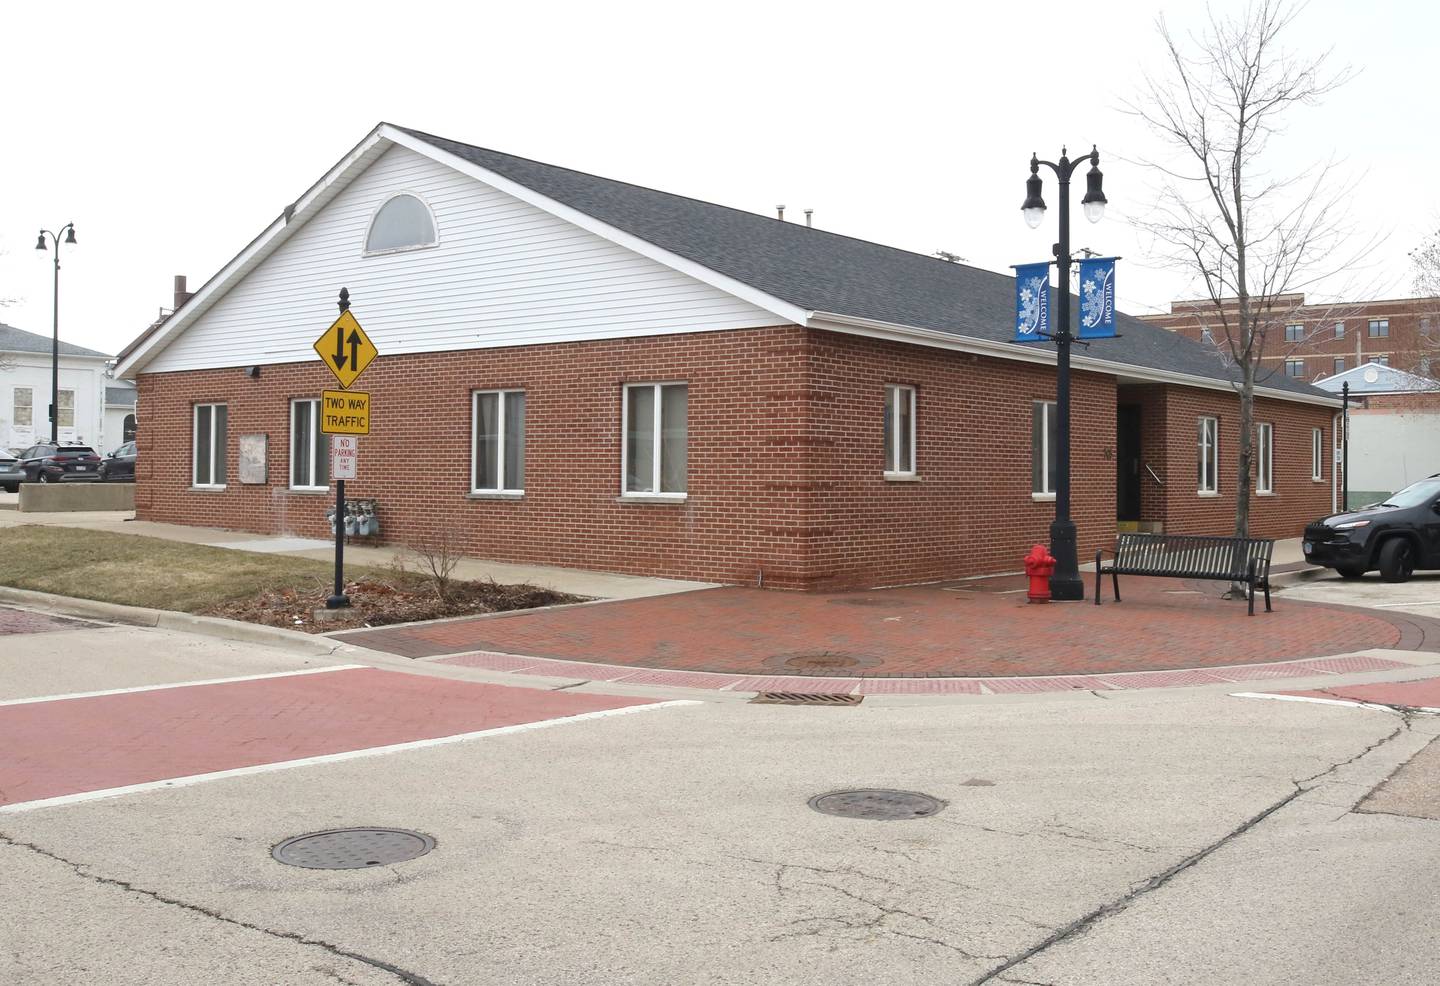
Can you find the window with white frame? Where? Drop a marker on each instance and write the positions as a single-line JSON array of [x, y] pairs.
[[402, 223], [1339, 365], [1042, 448], [65, 409], [656, 442], [208, 445], [1294, 367], [1265, 458], [1317, 454], [899, 430], [1208, 454], [1380, 360], [1294, 333], [24, 407], [1339, 330], [497, 459], [309, 448]]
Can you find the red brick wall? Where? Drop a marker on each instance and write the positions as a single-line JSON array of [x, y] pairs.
[[1297, 498], [785, 458], [971, 511]]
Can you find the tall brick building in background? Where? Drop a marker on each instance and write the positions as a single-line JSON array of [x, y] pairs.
[[577, 371], [1312, 342]]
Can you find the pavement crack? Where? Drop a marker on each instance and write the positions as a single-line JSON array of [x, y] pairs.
[[1084, 923], [573, 684], [83, 871]]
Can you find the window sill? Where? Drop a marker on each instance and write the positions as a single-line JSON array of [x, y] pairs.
[[199, 488], [495, 495], [1208, 494], [1264, 492], [902, 477], [308, 490], [652, 498], [1042, 497]]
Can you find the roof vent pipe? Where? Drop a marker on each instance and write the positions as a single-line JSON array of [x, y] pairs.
[[808, 214], [181, 295], [780, 213]]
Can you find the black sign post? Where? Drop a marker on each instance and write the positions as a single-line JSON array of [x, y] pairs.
[[338, 599]]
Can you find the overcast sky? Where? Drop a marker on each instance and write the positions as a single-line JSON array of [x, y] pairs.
[[173, 134]]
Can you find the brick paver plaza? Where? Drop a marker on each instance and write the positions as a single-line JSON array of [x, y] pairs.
[[973, 629]]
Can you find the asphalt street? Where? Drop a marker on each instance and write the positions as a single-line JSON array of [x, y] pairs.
[[1166, 836]]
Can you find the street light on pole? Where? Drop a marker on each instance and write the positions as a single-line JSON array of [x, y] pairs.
[[1065, 582], [69, 230]]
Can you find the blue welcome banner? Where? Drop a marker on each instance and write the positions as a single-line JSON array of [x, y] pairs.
[[1097, 298], [1032, 302]]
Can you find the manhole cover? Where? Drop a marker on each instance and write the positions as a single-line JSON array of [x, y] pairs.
[[877, 804], [822, 661], [352, 849]]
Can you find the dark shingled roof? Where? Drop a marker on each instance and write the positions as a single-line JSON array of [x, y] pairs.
[[13, 340], [823, 271]]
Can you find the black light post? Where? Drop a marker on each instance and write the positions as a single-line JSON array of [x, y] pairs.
[[1345, 445], [1065, 584], [69, 230]]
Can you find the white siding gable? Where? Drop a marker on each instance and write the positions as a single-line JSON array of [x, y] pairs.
[[505, 273]]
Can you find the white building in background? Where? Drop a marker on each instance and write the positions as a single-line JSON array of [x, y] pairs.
[[94, 409], [1394, 429]]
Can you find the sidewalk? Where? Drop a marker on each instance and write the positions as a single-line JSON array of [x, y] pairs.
[[601, 585]]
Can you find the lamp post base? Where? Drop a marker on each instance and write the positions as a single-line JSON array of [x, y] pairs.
[[337, 602], [1065, 584]]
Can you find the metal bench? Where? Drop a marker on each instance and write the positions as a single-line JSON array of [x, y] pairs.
[[1184, 556]]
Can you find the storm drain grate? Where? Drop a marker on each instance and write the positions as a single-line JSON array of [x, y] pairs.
[[352, 849], [877, 804], [805, 698]]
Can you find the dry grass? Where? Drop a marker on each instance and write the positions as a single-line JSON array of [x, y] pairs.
[[277, 590], [144, 571]]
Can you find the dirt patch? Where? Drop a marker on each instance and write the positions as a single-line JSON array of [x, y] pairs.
[[380, 601]]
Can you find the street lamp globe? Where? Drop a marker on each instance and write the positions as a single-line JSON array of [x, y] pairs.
[[70, 236], [40, 243], [1094, 200], [1034, 207]]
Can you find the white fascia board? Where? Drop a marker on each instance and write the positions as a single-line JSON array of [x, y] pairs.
[[303, 208], [785, 311], [874, 329]]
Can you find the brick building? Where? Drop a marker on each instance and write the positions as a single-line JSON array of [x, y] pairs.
[[577, 371], [1312, 342]]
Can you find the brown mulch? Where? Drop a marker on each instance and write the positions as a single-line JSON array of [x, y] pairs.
[[377, 601]]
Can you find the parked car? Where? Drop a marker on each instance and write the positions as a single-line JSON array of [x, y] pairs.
[[60, 464], [11, 475], [1396, 536], [119, 465]]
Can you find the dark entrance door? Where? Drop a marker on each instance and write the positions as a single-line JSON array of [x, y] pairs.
[[1127, 462]]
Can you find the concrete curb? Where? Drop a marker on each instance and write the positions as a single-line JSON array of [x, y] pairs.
[[163, 619]]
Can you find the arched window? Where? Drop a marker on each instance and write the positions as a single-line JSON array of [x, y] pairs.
[[402, 223], [127, 430]]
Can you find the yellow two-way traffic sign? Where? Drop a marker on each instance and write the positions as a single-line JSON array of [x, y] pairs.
[[344, 412], [345, 349]]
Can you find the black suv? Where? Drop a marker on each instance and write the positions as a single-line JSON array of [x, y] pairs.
[[60, 464], [1396, 536]]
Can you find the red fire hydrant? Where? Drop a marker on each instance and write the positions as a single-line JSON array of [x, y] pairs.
[[1039, 565]]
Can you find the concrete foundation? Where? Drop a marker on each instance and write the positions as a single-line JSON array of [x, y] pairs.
[[58, 498]]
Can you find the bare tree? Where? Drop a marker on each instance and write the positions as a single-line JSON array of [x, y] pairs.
[[1221, 215], [1425, 263]]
